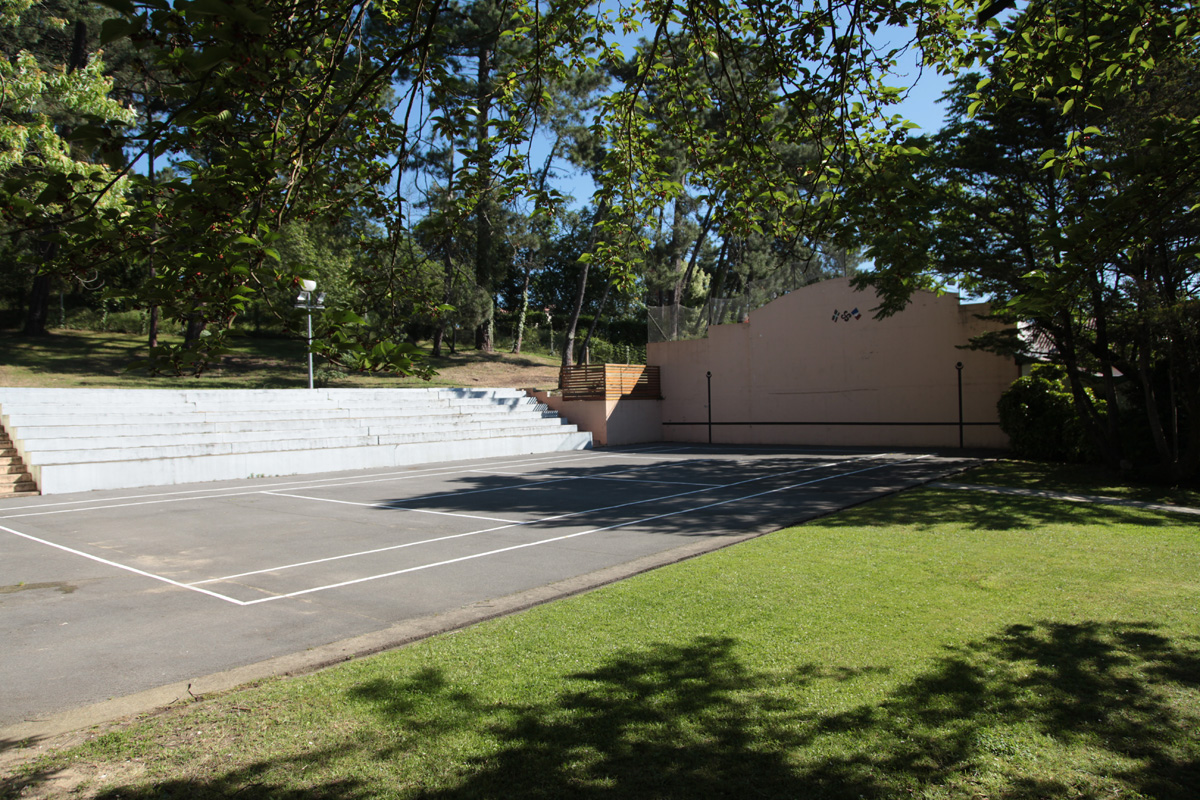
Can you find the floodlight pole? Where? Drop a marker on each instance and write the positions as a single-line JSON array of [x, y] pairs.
[[307, 289], [308, 308]]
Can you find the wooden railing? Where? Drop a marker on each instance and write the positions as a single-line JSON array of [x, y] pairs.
[[609, 382]]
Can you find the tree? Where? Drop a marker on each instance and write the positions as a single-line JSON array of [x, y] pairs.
[[1075, 212], [52, 87], [282, 110], [275, 115]]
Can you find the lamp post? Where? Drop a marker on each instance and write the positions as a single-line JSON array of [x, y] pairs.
[[959, 367], [310, 299]]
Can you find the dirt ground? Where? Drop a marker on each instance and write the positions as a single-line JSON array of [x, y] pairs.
[[471, 368], [71, 359]]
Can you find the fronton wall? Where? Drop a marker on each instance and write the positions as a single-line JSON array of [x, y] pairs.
[[814, 367]]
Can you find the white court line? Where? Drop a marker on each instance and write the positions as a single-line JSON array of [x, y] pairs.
[[564, 537], [506, 487], [636, 454], [379, 477], [645, 480], [389, 506], [536, 483], [321, 483], [486, 471], [125, 567], [506, 527], [196, 585]]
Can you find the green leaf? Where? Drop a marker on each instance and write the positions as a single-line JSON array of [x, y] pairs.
[[210, 57], [113, 29], [123, 6]]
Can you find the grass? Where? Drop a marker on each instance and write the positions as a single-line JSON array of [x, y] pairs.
[[935, 644], [70, 359], [1087, 479]]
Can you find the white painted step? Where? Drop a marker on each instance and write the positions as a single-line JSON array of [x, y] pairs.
[[81, 439], [171, 471]]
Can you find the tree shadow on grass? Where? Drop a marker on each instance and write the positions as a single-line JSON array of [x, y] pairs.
[[1085, 710], [70, 353], [984, 511], [694, 722]]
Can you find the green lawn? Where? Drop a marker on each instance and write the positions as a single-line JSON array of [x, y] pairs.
[[73, 359], [935, 644]]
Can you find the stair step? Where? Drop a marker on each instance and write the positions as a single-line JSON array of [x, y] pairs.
[[15, 478], [83, 439]]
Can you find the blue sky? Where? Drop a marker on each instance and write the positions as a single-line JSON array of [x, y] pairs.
[[920, 106]]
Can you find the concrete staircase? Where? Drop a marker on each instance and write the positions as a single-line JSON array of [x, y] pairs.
[[15, 480], [74, 440]]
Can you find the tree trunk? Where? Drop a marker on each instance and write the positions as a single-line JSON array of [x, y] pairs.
[[568, 355], [39, 306], [718, 283], [1104, 354], [587, 340], [483, 223], [520, 335], [1153, 417], [485, 331], [1066, 344], [691, 268], [195, 327], [152, 333], [447, 293]]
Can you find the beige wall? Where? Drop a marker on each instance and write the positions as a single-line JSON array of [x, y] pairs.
[[793, 363], [611, 422]]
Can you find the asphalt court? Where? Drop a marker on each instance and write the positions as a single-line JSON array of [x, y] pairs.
[[145, 587]]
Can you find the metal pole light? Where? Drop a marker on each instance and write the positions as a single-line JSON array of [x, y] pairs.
[[959, 367], [708, 375], [306, 300]]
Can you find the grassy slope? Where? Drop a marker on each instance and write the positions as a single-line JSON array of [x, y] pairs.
[[933, 644], [86, 359]]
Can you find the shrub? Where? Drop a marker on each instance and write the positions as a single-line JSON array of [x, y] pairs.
[[603, 352], [1038, 414], [90, 319]]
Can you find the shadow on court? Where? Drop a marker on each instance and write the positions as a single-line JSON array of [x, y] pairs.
[[688, 498], [692, 720], [190, 583]]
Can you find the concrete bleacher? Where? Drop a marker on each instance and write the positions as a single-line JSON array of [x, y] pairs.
[[74, 440]]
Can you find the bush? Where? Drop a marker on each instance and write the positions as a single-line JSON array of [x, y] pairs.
[[1038, 414], [630, 331], [90, 319], [602, 352]]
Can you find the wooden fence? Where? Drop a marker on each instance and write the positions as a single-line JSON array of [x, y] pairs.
[[609, 382]]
